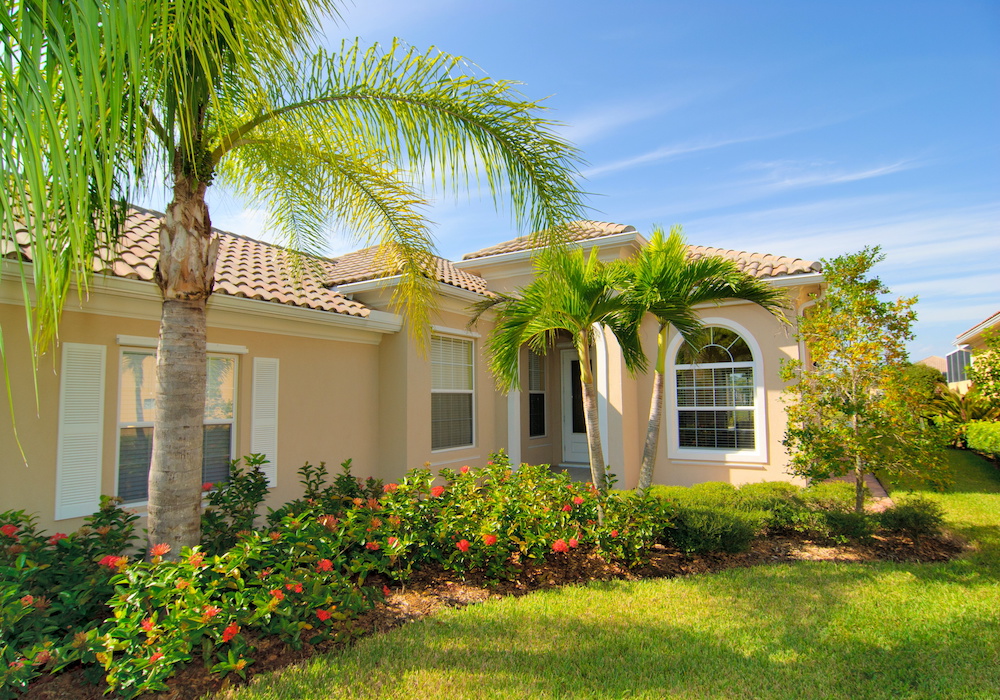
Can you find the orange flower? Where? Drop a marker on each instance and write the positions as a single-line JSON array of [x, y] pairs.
[[567, 507], [231, 631], [437, 491], [560, 546], [374, 546], [463, 545], [27, 600], [324, 565], [578, 500], [209, 612], [158, 550], [573, 542], [392, 541], [390, 488], [465, 469], [156, 657], [196, 559], [147, 624], [489, 540], [614, 533], [323, 615], [277, 594]]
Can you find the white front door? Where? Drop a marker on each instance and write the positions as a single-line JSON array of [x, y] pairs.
[[574, 426]]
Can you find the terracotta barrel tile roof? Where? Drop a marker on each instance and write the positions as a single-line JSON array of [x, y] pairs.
[[762, 265], [361, 265], [759, 264], [246, 267], [578, 231]]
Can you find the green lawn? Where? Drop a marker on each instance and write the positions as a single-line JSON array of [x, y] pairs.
[[804, 630]]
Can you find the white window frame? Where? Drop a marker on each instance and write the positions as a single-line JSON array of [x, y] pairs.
[[533, 391], [119, 424], [758, 455], [463, 338]]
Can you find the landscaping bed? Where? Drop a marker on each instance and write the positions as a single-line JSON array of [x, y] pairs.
[[432, 589]]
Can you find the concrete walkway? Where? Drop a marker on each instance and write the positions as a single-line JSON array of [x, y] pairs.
[[880, 499]]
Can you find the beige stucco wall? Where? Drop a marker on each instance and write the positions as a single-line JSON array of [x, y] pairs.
[[328, 406]]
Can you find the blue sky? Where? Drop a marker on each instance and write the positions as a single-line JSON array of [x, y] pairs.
[[807, 129]]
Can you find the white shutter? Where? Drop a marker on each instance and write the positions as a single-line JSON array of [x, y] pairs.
[[81, 427], [264, 421]]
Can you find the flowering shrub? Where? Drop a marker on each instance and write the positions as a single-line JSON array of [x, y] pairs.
[[53, 591], [232, 506]]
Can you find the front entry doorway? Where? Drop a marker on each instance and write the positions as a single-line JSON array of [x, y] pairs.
[[574, 426]]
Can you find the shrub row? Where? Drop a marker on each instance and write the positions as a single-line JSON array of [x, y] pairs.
[[983, 436], [303, 575]]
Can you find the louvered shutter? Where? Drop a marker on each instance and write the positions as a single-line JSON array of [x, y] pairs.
[[81, 426], [264, 420]]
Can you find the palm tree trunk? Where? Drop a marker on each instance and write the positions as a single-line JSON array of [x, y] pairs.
[[597, 466], [655, 412], [185, 274]]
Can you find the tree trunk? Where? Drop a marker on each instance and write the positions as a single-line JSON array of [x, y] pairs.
[[597, 466], [655, 412], [859, 472], [185, 274]]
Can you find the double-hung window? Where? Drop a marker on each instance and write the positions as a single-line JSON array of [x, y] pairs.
[[452, 419], [716, 390], [536, 394], [137, 411]]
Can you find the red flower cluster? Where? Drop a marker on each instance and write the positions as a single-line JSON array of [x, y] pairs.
[[328, 521], [578, 500], [277, 594], [392, 541], [112, 562], [27, 600], [155, 657], [323, 615], [560, 546], [437, 491], [567, 508], [209, 611], [324, 565], [386, 591], [231, 631], [463, 545], [147, 624], [614, 533], [573, 542], [489, 540], [374, 546], [465, 469], [390, 488], [196, 559], [207, 486], [56, 537], [158, 550], [9, 530], [297, 587]]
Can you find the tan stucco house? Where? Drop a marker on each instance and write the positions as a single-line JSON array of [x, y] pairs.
[[312, 366]]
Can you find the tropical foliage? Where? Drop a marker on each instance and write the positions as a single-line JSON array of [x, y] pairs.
[[663, 280], [953, 411], [575, 295], [850, 409], [985, 368], [102, 95]]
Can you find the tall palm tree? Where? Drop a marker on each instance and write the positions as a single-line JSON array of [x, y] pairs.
[[211, 91], [663, 280], [570, 293]]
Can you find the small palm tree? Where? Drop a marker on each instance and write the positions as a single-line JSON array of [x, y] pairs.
[[99, 94], [952, 411], [663, 280], [570, 293]]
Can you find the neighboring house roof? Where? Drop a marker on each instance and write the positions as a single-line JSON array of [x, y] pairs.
[[246, 267], [761, 265], [577, 231], [935, 362], [361, 265], [978, 329]]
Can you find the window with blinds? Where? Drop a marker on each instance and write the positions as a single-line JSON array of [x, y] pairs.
[[716, 393], [536, 395], [451, 393], [137, 411]]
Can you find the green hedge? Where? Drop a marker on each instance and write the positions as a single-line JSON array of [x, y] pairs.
[[983, 436]]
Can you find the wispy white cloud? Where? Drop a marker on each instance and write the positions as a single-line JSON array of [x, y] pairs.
[[786, 175], [666, 153], [605, 119]]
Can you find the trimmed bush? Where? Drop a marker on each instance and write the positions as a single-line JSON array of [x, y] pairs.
[[777, 501], [983, 436], [699, 529], [914, 515], [848, 524], [828, 495]]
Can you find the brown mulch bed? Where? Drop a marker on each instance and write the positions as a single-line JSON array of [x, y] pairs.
[[431, 590]]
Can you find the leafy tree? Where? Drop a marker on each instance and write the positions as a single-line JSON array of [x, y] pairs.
[[927, 381], [577, 295], [101, 94], [851, 409], [663, 280], [985, 368]]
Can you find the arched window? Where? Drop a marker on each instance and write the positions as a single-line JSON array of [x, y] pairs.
[[716, 393]]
